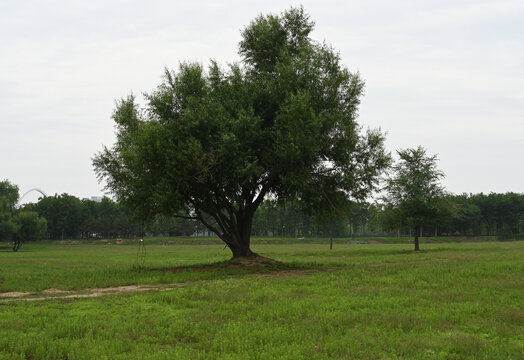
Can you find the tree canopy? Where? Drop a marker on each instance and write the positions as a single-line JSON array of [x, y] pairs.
[[8, 199], [15, 225], [213, 144], [414, 189], [8, 196]]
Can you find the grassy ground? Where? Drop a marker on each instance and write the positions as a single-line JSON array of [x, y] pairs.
[[450, 301]]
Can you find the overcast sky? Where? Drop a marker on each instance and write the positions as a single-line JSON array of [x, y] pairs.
[[447, 75]]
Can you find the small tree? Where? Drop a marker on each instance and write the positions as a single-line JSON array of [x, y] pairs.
[[17, 225], [29, 227], [332, 214], [414, 189]]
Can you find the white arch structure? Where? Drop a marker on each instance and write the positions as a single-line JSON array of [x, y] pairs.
[[28, 191]]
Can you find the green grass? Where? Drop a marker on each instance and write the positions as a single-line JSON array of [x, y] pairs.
[[450, 301], [274, 240]]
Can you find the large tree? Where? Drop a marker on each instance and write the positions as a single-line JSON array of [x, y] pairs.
[[414, 190], [211, 145]]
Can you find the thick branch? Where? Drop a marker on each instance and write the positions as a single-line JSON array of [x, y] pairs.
[[221, 222], [260, 197], [212, 228], [229, 223]]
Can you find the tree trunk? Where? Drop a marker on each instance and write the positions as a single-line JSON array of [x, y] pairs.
[[417, 248], [231, 224], [242, 251], [16, 245], [331, 235], [240, 244]]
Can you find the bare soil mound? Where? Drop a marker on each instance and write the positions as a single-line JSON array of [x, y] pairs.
[[253, 262]]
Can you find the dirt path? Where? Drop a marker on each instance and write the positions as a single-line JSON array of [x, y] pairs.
[[51, 294]]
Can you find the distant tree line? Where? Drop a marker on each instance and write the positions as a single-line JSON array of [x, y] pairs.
[[70, 217], [481, 214], [66, 217], [457, 215]]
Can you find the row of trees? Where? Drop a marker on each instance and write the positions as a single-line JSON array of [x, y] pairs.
[[481, 214], [288, 219], [70, 217], [462, 215], [491, 214], [66, 216]]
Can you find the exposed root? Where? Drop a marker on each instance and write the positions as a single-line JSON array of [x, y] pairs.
[[252, 262]]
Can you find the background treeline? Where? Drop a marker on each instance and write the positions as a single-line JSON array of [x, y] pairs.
[[66, 217], [70, 217], [461, 215]]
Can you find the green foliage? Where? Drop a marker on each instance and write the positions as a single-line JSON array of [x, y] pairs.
[[458, 215], [491, 214], [69, 217], [414, 189], [7, 227], [8, 196], [8, 199], [170, 226], [63, 214], [30, 227], [289, 219], [211, 145], [17, 225]]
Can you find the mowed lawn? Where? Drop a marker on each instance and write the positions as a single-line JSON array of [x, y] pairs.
[[450, 301]]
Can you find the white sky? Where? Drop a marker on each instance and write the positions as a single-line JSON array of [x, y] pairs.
[[447, 75]]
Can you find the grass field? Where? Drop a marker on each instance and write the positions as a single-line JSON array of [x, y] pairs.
[[376, 301]]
